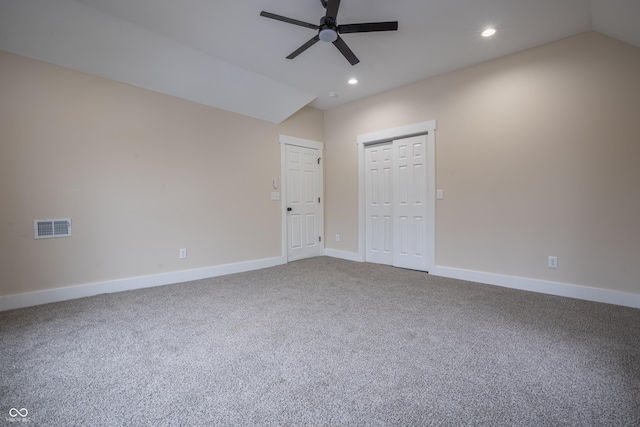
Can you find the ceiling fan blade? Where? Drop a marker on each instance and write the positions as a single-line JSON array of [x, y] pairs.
[[344, 49], [304, 47], [368, 27], [288, 20], [332, 8]]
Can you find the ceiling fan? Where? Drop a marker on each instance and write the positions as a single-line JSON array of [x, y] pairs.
[[329, 31]]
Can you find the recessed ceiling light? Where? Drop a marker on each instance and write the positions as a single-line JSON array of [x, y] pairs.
[[353, 81], [333, 94], [488, 32]]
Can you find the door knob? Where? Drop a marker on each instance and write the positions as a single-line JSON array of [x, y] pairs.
[[289, 209]]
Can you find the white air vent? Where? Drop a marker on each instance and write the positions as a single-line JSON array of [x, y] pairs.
[[47, 228]]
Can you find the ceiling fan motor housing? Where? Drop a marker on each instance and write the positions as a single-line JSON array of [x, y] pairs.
[[328, 31]]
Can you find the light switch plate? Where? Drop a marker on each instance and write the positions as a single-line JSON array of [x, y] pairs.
[[275, 195]]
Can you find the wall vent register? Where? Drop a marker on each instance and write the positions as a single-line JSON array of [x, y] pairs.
[[48, 228]]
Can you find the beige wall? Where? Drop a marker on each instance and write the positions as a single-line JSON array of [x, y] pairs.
[[139, 173], [538, 154]]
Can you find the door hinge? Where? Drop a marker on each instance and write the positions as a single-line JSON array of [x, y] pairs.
[[319, 160], [319, 238], [318, 199]]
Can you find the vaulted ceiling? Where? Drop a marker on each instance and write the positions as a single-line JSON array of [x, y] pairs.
[[224, 54]]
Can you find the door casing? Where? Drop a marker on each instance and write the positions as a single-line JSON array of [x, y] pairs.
[[387, 135]]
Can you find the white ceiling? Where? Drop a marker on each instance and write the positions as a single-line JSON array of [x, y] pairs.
[[222, 53]]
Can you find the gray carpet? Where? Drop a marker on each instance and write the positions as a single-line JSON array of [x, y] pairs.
[[322, 342]]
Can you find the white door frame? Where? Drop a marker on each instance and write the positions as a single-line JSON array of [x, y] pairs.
[[306, 143], [428, 128]]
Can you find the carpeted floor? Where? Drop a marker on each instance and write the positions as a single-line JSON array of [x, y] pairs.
[[322, 342]]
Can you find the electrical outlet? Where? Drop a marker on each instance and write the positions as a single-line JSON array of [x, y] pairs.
[[337, 237], [553, 262], [183, 253]]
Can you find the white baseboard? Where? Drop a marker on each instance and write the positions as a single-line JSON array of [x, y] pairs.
[[29, 299], [349, 256], [542, 286], [534, 285]]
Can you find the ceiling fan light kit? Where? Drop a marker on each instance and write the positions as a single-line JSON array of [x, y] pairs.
[[329, 31], [328, 35]]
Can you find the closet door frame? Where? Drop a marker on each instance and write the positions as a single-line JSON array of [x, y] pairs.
[[389, 135]]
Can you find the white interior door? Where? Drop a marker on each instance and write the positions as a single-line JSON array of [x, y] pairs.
[[410, 203], [303, 196], [396, 226], [379, 209]]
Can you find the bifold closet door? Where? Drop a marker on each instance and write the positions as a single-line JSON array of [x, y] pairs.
[[379, 209], [396, 208], [410, 203]]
